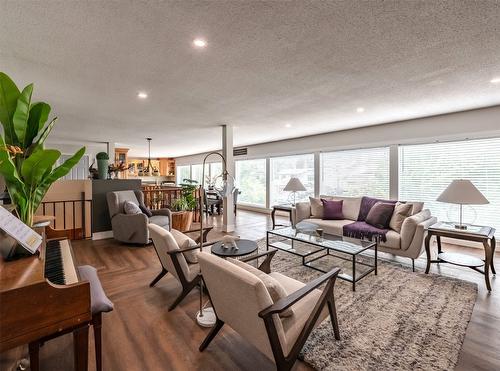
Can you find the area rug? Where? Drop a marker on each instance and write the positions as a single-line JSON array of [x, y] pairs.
[[397, 320]]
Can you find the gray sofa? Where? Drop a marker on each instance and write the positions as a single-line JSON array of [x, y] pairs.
[[133, 228], [407, 243]]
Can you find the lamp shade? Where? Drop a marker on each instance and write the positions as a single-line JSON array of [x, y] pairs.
[[462, 191], [294, 185]]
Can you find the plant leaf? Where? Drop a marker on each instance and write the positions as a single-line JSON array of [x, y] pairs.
[[22, 112], [39, 113], [45, 133], [38, 164], [9, 93], [15, 186], [57, 173]]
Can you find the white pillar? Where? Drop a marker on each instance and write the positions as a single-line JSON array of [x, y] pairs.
[[227, 152]]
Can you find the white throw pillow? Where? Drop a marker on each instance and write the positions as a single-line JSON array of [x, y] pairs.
[[401, 212], [316, 207], [130, 208], [186, 242], [274, 288]]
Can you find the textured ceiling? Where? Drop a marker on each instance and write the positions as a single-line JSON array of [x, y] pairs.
[[267, 64]]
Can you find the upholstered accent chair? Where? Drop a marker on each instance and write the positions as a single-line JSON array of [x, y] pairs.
[[242, 301], [133, 228], [172, 260]]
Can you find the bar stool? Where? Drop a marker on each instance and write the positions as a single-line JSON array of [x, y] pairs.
[[99, 303]]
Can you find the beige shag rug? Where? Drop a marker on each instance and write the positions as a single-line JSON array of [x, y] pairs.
[[397, 320]]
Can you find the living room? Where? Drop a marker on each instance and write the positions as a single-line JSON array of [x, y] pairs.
[[249, 185]]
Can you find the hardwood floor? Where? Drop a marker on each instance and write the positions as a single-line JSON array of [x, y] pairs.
[[140, 334]]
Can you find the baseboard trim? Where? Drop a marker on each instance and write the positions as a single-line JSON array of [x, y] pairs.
[[102, 235]]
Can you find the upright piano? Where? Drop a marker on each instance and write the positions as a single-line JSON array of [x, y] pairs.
[[41, 296]]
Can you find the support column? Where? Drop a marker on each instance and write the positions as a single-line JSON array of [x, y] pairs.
[[227, 152]]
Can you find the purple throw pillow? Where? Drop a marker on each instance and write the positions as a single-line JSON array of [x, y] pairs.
[[380, 215], [332, 210], [366, 205]]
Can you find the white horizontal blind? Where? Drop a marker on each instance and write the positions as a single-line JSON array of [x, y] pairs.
[[282, 169], [183, 172], [426, 170], [251, 181], [359, 172]]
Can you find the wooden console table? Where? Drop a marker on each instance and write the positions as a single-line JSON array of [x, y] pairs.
[[482, 234]]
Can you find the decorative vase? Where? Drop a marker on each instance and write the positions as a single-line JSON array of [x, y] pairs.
[[102, 168]]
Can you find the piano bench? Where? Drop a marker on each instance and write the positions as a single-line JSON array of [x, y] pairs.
[[99, 303]]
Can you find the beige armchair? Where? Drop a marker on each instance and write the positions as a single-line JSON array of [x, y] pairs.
[[172, 260], [242, 301]]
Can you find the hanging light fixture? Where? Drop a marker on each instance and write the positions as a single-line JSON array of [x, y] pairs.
[[149, 168]]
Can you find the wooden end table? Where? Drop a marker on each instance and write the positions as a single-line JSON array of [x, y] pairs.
[[482, 234], [286, 208]]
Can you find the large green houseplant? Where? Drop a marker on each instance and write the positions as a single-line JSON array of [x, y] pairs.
[[28, 168], [185, 205]]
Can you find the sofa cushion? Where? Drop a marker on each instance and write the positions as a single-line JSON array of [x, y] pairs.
[[160, 220], [130, 207], [330, 226], [366, 205], [380, 215], [275, 289], [316, 207], [410, 226], [185, 242], [332, 209], [350, 206], [401, 212], [416, 207]]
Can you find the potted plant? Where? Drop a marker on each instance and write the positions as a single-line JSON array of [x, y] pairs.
[[184, 206], [102, 164], [28, 168]]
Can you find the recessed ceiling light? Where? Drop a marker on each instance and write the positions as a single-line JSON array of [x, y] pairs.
[[142, 95], [288, 125], [496, 80], [360, 110], [199, 43]]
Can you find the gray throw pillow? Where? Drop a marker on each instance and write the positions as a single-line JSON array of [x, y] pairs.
[[185, 242], [380, 215], [130, 208], [401, 212]]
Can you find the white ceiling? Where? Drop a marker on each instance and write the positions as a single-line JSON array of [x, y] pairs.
[[306, 63]]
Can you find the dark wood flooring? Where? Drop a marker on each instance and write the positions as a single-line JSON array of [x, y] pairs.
[[140, 334]]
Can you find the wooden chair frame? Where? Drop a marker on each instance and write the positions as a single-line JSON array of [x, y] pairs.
[[187, 285], [286, 362]]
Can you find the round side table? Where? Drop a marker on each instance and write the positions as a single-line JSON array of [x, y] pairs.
[[245, 247]]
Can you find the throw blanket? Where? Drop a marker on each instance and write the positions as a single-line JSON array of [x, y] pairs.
[[362, 230]]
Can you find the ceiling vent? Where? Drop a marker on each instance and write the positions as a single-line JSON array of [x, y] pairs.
[[240, 151]]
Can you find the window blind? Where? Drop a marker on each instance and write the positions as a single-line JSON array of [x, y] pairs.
[[426, 170], [282, 169], [359, 172]]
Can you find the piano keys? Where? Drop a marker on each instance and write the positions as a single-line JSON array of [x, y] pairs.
[[41, 297]]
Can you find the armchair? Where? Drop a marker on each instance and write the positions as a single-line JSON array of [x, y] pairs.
[[133, 228], [241, 300], [172, 260]]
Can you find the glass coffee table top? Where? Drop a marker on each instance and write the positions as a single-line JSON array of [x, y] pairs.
[[342, 244]]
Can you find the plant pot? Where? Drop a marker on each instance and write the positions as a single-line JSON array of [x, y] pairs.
[[182, 220], [102, 168]]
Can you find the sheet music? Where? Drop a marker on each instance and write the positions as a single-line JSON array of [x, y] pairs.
[[23, 234]]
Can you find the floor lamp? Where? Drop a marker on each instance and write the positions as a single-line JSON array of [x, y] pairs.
[[206, 316]]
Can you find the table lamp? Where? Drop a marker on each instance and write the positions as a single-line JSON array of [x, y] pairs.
[[462, 192], [294, 185]]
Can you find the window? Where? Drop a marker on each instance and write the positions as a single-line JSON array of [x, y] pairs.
[[183, 172], [79, 171], [359, 172], [283, 168], [251, 181], [197, 172], [216, 174], [426, 170]]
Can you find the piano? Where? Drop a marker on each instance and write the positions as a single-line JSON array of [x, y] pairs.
[[41, 297]]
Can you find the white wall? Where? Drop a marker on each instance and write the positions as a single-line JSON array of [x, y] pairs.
[[480, 123]]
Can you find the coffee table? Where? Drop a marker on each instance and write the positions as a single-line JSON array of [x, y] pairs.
[[316, 249]]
